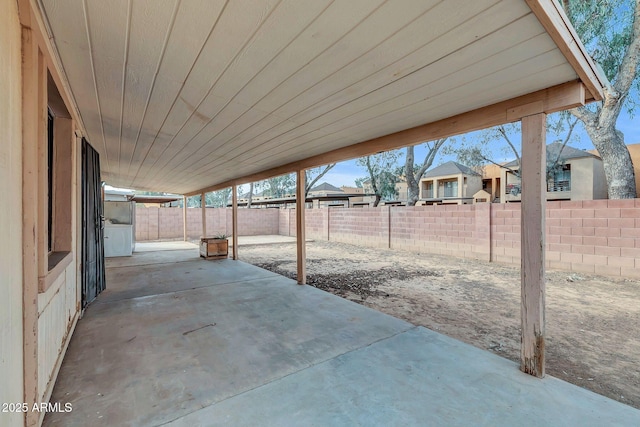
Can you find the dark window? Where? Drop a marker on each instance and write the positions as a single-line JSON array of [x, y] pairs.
[[50, 154]]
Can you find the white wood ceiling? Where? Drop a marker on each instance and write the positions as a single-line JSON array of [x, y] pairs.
[[180, 95]]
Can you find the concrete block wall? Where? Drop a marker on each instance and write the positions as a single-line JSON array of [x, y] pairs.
[[363, 226], [254, 222], [505, 232], [167, 223], [217, 222], [317, 224], [591, 236], [446, 230], [595, 236]]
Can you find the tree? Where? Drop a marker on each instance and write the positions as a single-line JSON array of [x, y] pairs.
[[313, 175], [250, 198], [379, 168], [219, 199], [414, 172], [610, 30], [279, 186], [482, 150]]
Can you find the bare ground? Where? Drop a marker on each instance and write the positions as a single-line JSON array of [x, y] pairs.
[[593, 322]]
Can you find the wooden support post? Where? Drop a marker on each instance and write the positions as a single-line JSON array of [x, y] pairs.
[[234, 219], [184, 217], [204, 215], [534, 191], [300, 228]]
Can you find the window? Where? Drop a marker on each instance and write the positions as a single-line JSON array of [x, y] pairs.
[[427, 190], [50, 154], [560, 179], [451, 188], [60, 165]]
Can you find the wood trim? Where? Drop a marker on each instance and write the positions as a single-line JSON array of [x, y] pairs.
[[234, 220], [63, 141], [556, 98], [30, 223], [204, 214], [184, 217], [533, 169], [45, 282], [559, 28], [43, 184], [301, 249]]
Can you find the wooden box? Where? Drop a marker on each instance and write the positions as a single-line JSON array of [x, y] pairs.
[[211, 247]]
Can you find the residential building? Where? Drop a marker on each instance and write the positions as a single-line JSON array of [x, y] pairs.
[[448, 183], [577, 175]]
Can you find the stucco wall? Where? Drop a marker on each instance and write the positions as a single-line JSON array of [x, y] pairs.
[[587, 177], [11, 387]]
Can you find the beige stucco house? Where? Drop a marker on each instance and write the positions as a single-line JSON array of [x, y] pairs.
[[578, 175], [450, 183]]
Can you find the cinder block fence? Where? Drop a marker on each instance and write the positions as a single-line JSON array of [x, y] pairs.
[[594, 236]]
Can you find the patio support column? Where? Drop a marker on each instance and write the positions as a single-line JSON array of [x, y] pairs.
[[234, 219], [533, 177], [300, 228], [204, 215], [184, 217]]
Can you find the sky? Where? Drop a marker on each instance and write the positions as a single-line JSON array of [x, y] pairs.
[[345, 173]]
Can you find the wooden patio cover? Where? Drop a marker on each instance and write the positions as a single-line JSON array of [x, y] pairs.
[[196, 95]]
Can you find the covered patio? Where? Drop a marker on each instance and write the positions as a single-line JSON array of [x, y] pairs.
[[203, 343], [196, 96]]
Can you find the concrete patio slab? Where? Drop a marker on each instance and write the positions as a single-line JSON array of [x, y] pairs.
[[164, 246], [154, 257], [147, 360], [153, 279], [226, 343], [416, 378]]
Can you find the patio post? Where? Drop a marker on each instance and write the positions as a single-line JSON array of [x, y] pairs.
[[204, 215], [300, 228], [533, 182], [234, 219], [184, 217]]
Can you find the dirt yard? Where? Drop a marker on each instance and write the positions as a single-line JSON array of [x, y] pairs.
[[593, 322]]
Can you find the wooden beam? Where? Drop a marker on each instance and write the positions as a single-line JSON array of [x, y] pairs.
[[555, 21], [300, 228], [234, 220], [203, 207], [557, 98], [534, 192], [184, 217], [31, 139]]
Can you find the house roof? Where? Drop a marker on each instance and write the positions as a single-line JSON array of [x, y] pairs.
[[210, 94], [325, 186], [567, 153], [449, 168]]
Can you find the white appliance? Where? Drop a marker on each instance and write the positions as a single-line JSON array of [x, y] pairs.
[[118, 240]]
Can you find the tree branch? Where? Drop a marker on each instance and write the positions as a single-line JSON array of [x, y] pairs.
[[310, 185], [503, 132], [572, 125], [629, 66], [584, 114], [430, 157]]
